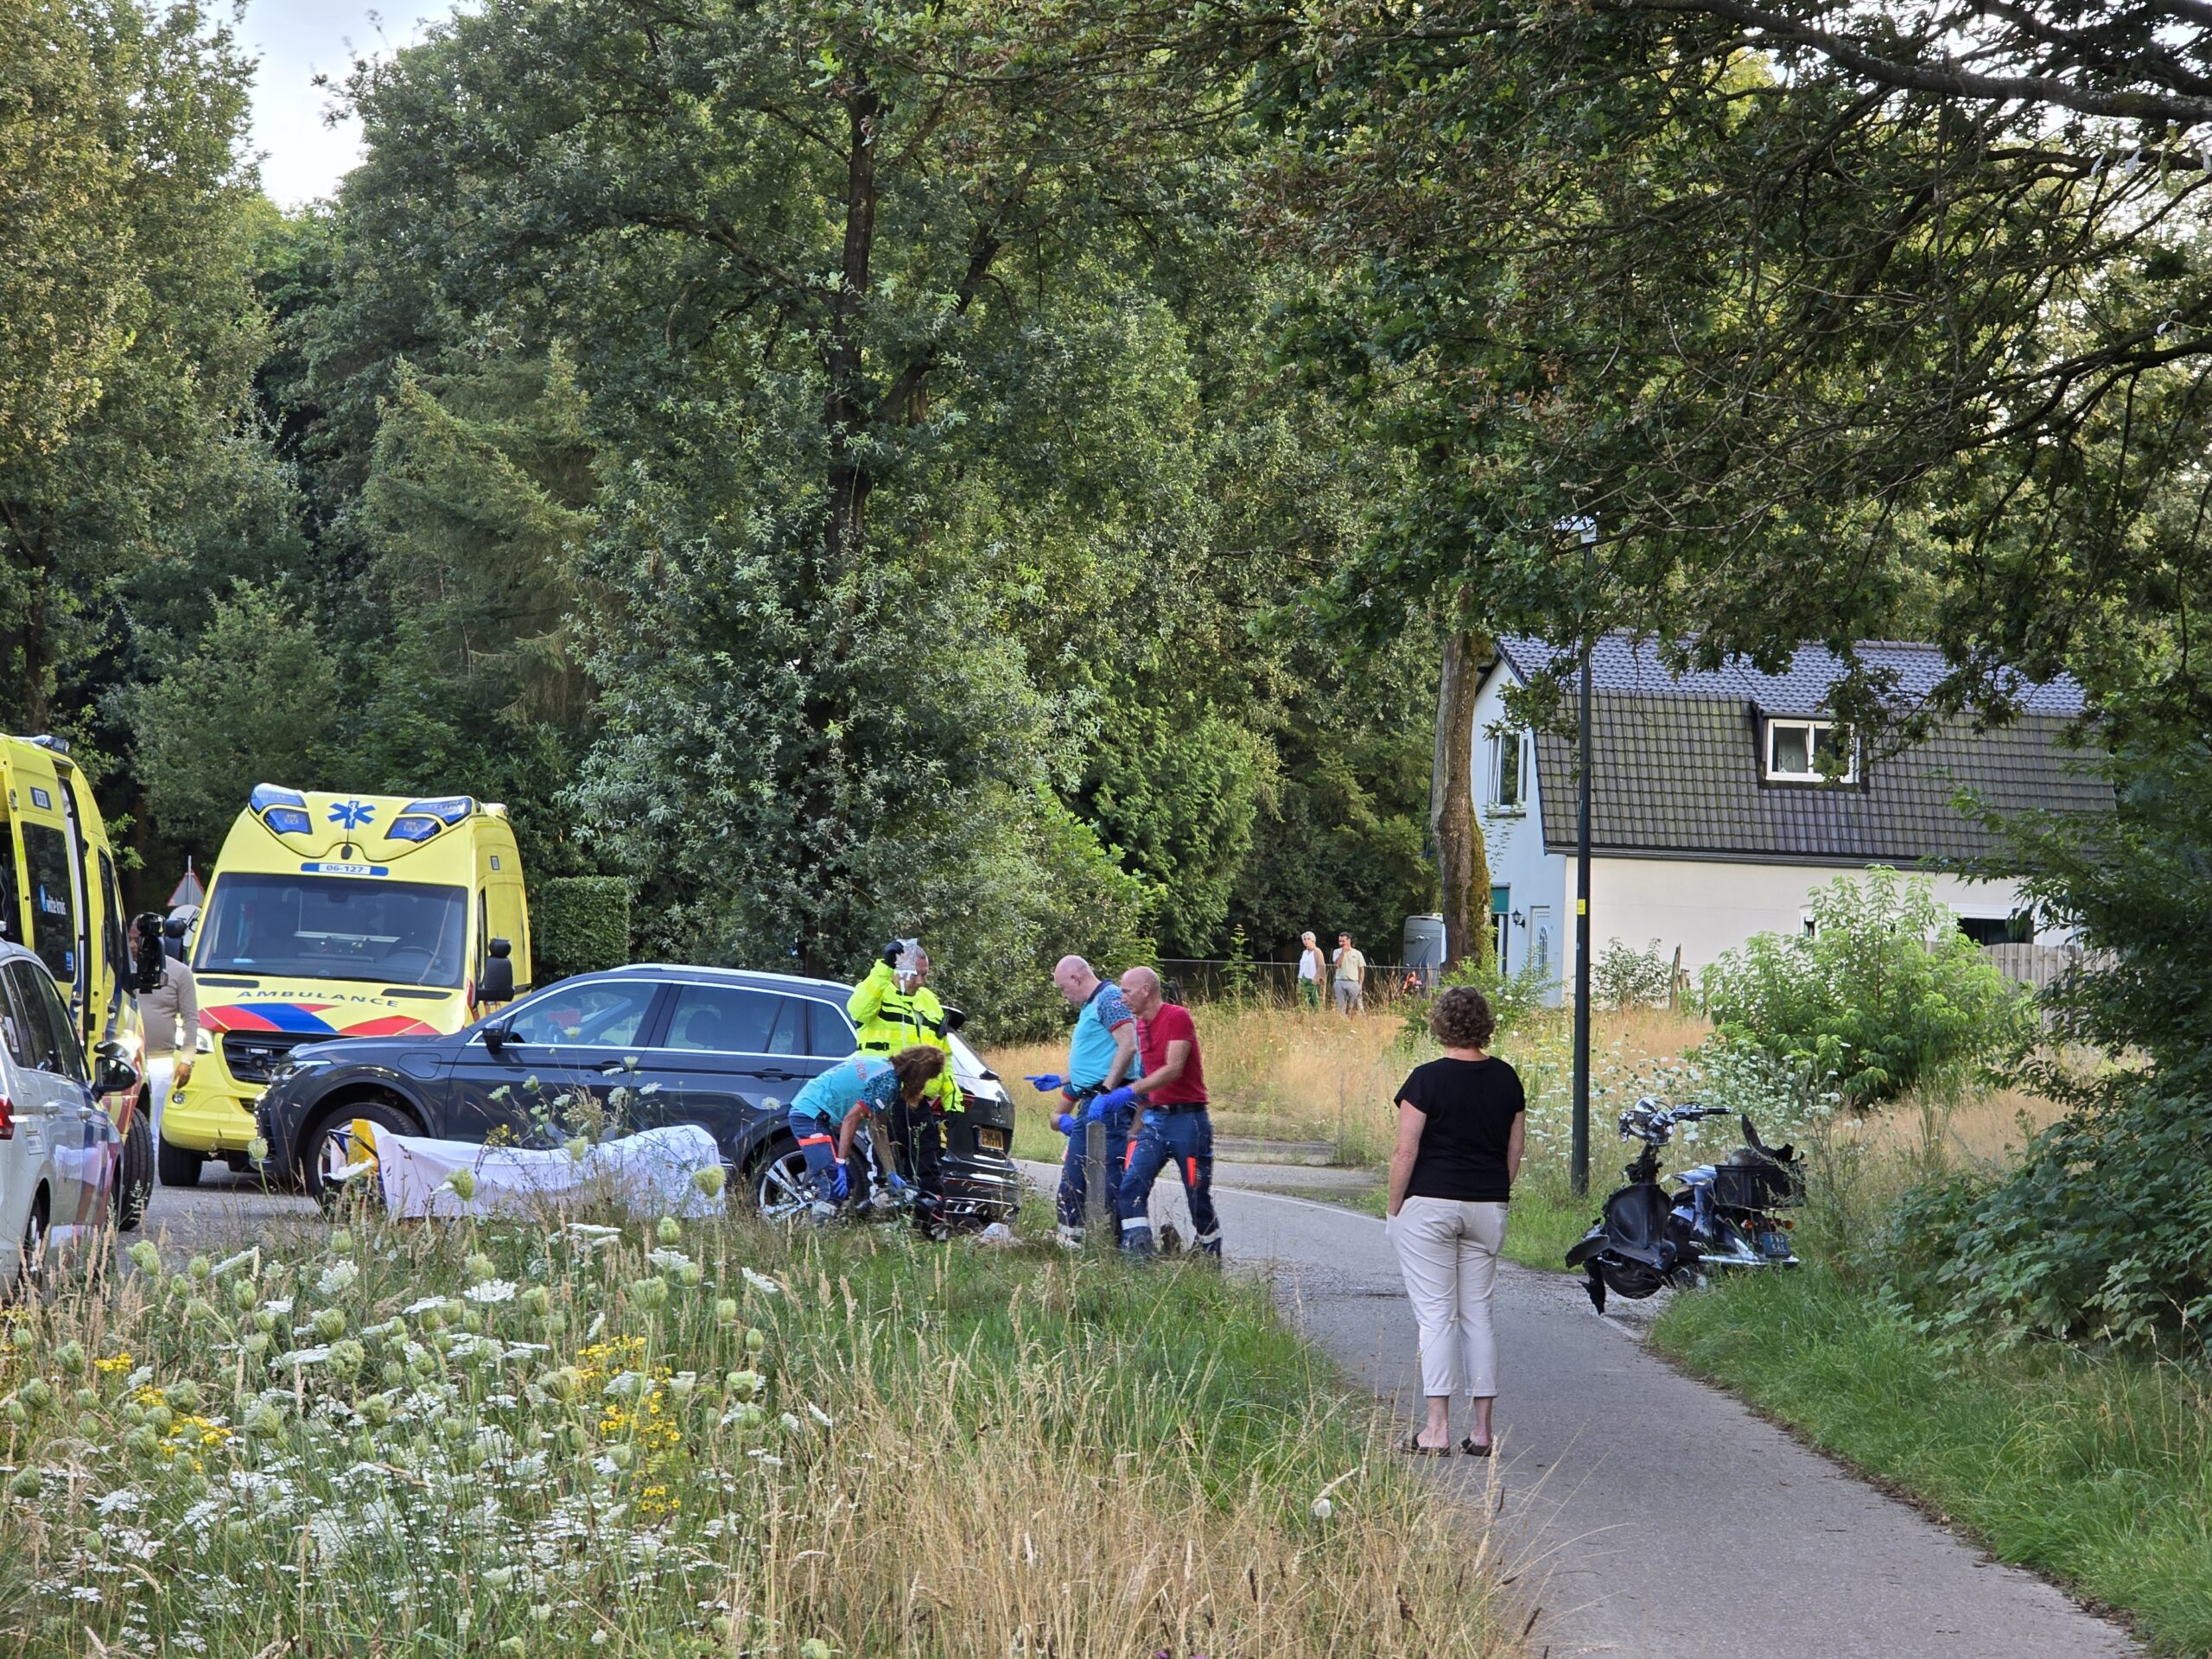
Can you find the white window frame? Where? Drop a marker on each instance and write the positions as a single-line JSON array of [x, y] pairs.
[[1812, 728], [1518, 743]]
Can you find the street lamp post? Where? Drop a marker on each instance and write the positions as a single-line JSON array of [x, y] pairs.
[[1578, 1171]]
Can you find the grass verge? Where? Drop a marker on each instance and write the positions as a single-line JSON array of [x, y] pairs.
[[2097, 1470], [702, 1438]]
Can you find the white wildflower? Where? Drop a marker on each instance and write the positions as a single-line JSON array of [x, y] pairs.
[[668, 1260], [760, 1282], [492, 1290], [124, 1499], [820, 1415], [337, 1278]]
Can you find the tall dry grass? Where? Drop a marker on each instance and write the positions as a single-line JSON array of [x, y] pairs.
[[1015, 1507], [1293, 1076]]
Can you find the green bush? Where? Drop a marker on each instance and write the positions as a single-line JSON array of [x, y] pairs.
[[1622, 976], [578, 924], [1885, 995]]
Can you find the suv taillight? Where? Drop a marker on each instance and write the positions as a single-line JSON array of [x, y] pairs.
[[7, 1118]]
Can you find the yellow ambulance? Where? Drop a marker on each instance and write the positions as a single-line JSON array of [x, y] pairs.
[[59, 896], [332, 916]]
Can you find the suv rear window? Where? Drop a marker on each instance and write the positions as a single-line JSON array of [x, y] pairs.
[[732, 1019]]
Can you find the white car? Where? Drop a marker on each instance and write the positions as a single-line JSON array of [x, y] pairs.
[[58, 1147]]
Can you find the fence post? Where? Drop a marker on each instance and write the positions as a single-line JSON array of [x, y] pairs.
[[1098, 1220]]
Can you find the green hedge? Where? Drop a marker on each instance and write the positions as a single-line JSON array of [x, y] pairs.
[[578, 924]]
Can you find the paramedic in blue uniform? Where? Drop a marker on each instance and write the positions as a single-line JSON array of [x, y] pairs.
[[1173, 1126], [827, 1114], [1102, 1053]]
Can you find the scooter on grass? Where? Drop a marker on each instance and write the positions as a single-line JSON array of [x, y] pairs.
[[1720, 1218]]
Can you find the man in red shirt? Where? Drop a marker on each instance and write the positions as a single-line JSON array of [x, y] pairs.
[[1174, 1126]]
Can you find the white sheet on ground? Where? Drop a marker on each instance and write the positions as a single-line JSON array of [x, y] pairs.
[[649, 1172]]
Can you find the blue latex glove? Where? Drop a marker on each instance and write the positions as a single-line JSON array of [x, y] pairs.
[[1113, 1101], [1047, 1082], [841, 1186], [1064, 1124], [896, 1183]]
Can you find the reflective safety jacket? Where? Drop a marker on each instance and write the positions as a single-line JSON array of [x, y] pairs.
[[890, 1020]]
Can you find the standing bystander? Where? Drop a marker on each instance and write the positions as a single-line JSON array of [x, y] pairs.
[[1309, 969], [1175, 1125], [1351, 976]]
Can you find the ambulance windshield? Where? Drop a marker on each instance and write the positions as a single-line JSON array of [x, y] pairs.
[[334, 927]]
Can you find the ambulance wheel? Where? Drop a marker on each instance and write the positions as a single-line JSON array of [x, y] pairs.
[[178, 1165], [330, 1142]]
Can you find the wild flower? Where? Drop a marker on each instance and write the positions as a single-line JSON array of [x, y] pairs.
[[336, 1279]]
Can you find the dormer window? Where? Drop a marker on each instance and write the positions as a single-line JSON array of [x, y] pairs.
[[1807, 752]]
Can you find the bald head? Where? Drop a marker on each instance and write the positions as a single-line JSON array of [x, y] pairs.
[[1075, 980], [1141, 990]]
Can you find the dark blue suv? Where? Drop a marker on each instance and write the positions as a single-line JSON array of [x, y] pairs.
[[706, 1046]]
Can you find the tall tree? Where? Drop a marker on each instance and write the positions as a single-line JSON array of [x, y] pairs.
[[795, 254], [1752, 304], [128, 325]]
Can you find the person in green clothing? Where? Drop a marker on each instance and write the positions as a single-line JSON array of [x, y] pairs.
[[894, 1008]]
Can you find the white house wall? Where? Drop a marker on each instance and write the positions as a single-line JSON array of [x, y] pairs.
[[1709, 907]]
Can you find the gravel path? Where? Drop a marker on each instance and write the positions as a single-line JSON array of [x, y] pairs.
[[1646, 1513]]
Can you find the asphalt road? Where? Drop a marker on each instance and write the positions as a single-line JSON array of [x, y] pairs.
[[1647, 1513]]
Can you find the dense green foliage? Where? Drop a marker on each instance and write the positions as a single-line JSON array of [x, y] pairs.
[[2104, 1229], [1884, 995], [578, 924], [954, 593]]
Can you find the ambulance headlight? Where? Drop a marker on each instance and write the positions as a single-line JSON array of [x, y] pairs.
[[204, 1043]]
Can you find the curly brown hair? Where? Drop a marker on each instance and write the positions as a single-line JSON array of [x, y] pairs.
[[918, 1068], [1462, 1019]]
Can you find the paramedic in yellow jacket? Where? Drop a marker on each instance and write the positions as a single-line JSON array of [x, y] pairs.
[[894, 1008]]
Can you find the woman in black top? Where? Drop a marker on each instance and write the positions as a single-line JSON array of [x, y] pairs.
[[1461, 1131]]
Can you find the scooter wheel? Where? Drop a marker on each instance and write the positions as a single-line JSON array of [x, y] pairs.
[[1631, 1281]]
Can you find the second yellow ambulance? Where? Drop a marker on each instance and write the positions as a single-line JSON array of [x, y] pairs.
[[332, 916]]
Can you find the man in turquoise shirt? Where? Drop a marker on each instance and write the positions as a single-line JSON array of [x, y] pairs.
[[1101, 1053]]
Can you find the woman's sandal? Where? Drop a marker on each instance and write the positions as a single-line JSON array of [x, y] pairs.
[[1468, 1447], [1412, 1448]]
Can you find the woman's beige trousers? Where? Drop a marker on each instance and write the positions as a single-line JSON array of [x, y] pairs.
[[1447, 1251]]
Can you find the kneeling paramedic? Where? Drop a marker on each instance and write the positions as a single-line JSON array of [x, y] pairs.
[[1101, 1053], [894, 1008], [1174, 1126], [827, 1114]]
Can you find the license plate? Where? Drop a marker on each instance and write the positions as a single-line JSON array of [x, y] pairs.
[[991, 1140]]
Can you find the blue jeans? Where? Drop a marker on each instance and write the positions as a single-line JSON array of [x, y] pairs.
[[1072, 1184], [1186, 1138]]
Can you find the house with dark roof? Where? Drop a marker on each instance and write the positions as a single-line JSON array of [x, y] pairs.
[[1721, 799]]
